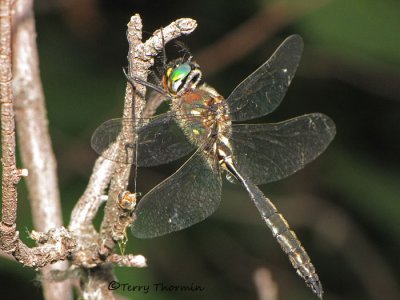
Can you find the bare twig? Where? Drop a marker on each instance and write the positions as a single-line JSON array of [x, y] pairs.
[[96, 281], [266, 287], [138, 261], [35, 145], [154, 101], [94, 249], [10, 176], [6, 256], [91, 253], [133, 106], [59, 241], [86, 208], [54, 245], [141, 58]]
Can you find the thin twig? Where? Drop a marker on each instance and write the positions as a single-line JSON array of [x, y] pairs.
[[133, 105], [130, 260], [140, 58], [95, 250], [59, 241], [91, 253], [87, 206], [35, 145], [267, 288], [7, 256], [10, 176]]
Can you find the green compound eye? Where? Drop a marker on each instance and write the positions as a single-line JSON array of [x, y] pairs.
[[179, 73]]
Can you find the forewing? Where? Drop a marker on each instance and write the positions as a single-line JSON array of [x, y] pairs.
[[160, 141], [270, 152], [108, 141], [262, 92], [187, 197]]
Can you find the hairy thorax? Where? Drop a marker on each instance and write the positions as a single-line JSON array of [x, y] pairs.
[[203, 115]]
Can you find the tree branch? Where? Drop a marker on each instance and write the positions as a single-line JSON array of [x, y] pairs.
[[94, 248], [33, 136], [90, 253], [267, 288], [10, 176], [58, 242], [140, 58]]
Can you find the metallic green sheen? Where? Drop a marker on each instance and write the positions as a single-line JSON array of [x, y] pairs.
[[180, 72]]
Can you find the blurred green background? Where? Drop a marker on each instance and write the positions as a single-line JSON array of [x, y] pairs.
[[344, 207]]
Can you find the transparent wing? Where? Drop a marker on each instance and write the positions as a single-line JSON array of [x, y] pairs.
[[187, 197], [108, 142], [160, 141], [270, 152], [262, 92]]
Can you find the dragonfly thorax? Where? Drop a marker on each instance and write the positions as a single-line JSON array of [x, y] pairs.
[[202, 114]]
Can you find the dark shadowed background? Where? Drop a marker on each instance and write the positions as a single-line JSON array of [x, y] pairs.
[[344, 206]]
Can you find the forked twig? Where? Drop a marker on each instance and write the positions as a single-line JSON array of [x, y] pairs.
[[141, 58], [33, 137], [58, 242], [89, 251]]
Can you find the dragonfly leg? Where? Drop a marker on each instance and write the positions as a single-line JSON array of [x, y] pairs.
[[129, 149]]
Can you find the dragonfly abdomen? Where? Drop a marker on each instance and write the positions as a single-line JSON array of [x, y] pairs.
[[298, 256], [286, 238]]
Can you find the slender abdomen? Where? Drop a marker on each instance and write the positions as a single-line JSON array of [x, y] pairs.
[[291, 245], [286, 238]]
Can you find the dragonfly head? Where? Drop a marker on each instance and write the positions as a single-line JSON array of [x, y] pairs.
[[180, 77]]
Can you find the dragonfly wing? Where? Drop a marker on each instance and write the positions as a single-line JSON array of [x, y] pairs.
[[270, 152], [187, 197], [262, 92], [108, 142], [160, 141]]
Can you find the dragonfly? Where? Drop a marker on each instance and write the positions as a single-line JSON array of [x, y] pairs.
[[203, 121]]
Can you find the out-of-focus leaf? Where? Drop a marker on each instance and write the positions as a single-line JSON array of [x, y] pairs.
[[372, 189], [357, 28]]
